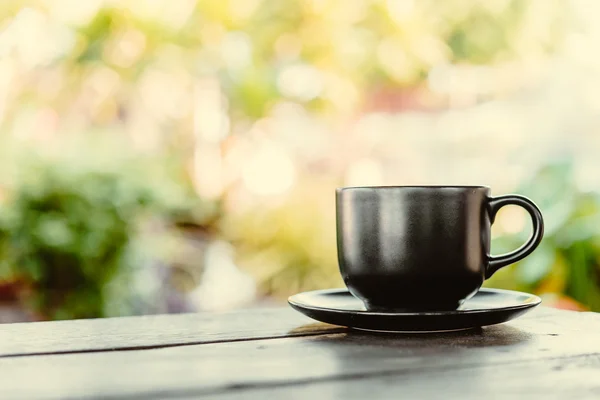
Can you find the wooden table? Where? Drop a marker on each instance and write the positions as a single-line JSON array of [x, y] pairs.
[[280, 354]]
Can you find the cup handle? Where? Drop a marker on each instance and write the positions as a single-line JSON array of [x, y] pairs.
[[495, 204]]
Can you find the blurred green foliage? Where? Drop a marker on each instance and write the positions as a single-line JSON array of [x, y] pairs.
[[68, 226], [568, 259]]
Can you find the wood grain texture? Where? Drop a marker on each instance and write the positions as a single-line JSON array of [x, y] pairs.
[[163, 331], [562, 378], [154, 331], [334, 365]]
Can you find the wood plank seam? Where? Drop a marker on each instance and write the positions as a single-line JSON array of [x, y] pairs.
[[167, 345]]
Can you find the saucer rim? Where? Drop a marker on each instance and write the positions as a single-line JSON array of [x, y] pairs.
[[535, 301]]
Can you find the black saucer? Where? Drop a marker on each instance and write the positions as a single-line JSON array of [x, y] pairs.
[[340, 307]]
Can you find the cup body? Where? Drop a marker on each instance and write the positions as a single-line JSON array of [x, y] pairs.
[[413, 247]]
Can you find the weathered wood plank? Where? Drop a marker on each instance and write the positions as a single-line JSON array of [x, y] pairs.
[[163, 331], [562, 378], [154, 331], [290, 365]]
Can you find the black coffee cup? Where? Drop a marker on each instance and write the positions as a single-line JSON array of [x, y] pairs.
[[422, 247]]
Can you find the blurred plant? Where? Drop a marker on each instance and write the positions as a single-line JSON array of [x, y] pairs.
[[568, 259], [67, 229]]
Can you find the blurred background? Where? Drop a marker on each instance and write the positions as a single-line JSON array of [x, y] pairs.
[[178, 156]]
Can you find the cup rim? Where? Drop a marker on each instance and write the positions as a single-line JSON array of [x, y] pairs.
[[339, 189]]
